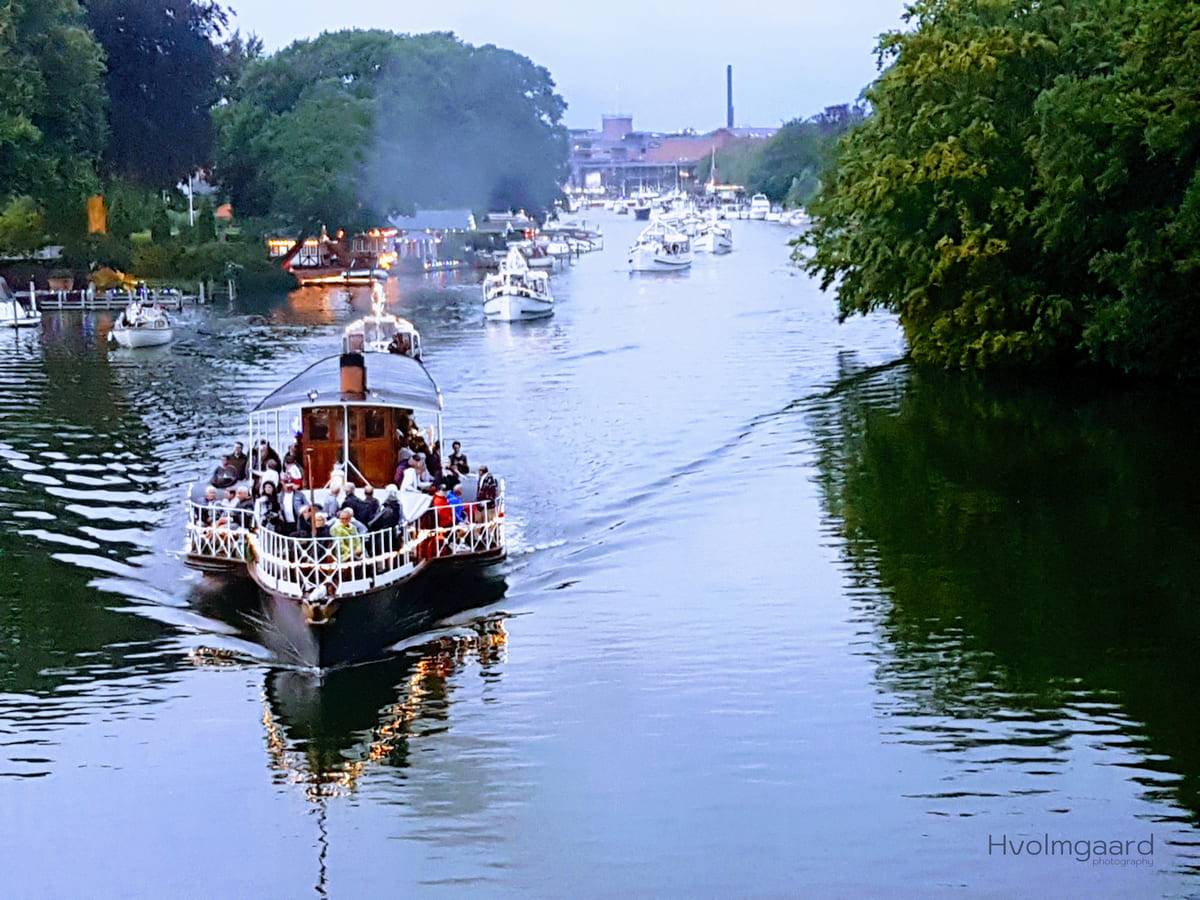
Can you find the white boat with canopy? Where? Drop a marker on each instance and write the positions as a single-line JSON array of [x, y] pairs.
[[516, 291], [714, 236], [660, 248], [381, 331]]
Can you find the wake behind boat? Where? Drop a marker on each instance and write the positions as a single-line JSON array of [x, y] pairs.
[[140, 325], [516, 291], [332, 596]]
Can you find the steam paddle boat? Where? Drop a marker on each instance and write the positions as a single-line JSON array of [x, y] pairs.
[[329, 601]]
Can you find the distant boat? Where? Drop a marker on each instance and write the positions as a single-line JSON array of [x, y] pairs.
[[760, 205], [516, 291], [660, 248], [713, 237], [139, 325], [15, 312], [381, 332]]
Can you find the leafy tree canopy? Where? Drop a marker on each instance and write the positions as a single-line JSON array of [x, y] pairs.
[[353, 126], [1025, 191], [52, 107], [162, 81], [792, 161]]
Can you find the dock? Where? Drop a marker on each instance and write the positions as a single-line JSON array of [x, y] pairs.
[[168, 299]]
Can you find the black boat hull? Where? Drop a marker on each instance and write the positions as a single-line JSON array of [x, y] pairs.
[[364, 627]]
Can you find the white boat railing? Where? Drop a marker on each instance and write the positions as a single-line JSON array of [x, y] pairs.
[[302, 566], [217, 533]]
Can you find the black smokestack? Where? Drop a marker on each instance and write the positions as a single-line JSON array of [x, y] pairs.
[[729, 96]]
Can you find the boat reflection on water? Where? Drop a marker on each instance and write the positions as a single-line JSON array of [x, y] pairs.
[[323, 732]]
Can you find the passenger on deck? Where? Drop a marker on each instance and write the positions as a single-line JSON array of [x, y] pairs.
[[415, 476], [292, 471], [455, 500], [458, 460], [290, 504], [239, 460], [226, 474], [349, 545], [262, 454], [266, 507], [389, 511], [271, 473], [365, 507], [337, 477], [403, 458], [441, 507], [243, 511], [319, 520], [433, 462], [485, 494], [210, 507], [335, 499]]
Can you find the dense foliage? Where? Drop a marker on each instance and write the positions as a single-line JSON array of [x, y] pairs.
[[51, 115], [1026, 189], [162, 74], [352, 126], [787, 167]]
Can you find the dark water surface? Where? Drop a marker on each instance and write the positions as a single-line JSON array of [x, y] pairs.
[[781, 617]]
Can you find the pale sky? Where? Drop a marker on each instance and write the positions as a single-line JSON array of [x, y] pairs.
[[662, 62]]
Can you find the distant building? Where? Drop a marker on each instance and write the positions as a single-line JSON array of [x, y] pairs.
[[620, 160]]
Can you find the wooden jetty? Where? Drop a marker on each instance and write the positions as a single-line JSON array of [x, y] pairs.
[[91, 299]]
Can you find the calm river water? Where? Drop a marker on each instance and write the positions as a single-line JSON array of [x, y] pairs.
[[782, 616]]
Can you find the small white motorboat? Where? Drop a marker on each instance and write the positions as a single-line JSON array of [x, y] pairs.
[[660, 248], [713, 237], [15, 312], [760, 205], [139, 325], [516, 291]]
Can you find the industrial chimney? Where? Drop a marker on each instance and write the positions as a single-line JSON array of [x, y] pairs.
[[729, 96]]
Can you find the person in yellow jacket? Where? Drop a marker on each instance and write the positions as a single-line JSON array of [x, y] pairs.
[[349, 545]]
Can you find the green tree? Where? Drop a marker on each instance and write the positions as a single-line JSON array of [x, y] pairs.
[[736, 162], [352, 126], [22, 227], [929, 211], [1118, 161], [52, 108], [1025, 191], [791, 163], [206, 225], [162, 81]]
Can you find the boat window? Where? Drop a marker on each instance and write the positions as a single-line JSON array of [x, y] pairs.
[[324, 424], [375, 423]]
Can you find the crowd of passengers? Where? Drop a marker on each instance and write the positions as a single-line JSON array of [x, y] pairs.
[[267, 489]]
